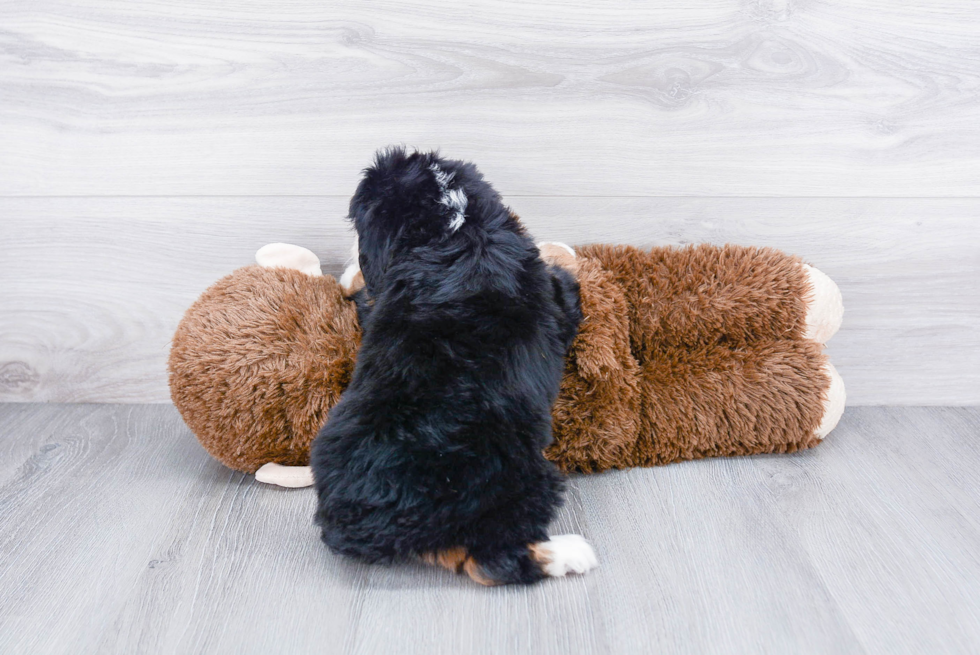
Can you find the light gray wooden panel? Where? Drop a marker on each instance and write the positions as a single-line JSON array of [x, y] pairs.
[[121, 535], [769, 97], [91, 290]]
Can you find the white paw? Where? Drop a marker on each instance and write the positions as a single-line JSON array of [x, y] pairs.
[[567, 553], [351, 280], [285, 476], [285, 255], [834, 406], [826, 309]]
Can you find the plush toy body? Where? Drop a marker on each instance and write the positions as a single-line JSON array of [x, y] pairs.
[[696, 352], [683, 353]]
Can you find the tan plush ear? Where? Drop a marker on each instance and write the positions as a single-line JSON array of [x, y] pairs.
[[286, 255], [559, 254], [595, 418]]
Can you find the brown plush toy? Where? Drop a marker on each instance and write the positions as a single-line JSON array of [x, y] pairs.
[[683, 353]]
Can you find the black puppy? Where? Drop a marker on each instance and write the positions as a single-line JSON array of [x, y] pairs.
[[435, 449]]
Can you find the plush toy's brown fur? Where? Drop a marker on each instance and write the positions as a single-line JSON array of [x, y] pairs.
[[682, 354], [688, 353], [258, 361]]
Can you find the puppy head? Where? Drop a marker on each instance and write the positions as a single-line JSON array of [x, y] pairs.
[[407, 200]]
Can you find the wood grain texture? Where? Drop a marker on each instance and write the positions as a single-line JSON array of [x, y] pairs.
[[725, 97], [91, 290], [121, 535]]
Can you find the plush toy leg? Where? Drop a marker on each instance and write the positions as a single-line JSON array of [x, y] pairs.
[[285, 476], [834, 404], [285, 255], [823, 318], [826, 308]]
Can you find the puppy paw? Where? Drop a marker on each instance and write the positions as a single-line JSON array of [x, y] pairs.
[[352, 280], [286, 255], [558, 254], [565, 553]]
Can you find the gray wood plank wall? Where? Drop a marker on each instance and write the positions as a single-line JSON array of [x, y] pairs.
[[148, 148]]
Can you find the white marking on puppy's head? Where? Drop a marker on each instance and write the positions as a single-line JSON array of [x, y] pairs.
[[442, 177], [454, 199]]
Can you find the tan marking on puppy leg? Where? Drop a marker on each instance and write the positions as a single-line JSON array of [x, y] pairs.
[[540, 554], [475, 572], [451, 558]]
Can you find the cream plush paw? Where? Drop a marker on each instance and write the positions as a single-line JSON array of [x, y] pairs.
[[565, 553], [834, 405], [826, 309], [285, 255], [559, 254], [285, 476]]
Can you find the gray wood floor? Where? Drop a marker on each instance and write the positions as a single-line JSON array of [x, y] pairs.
[[119, 534]]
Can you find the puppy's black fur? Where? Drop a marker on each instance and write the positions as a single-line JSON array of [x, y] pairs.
[[437, 442]]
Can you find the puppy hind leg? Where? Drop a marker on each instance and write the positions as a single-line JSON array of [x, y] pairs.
[[512, 565], [562, 554], [458, 560], [451, 558]]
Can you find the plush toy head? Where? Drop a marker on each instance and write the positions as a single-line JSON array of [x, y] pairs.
[[260, 358]]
